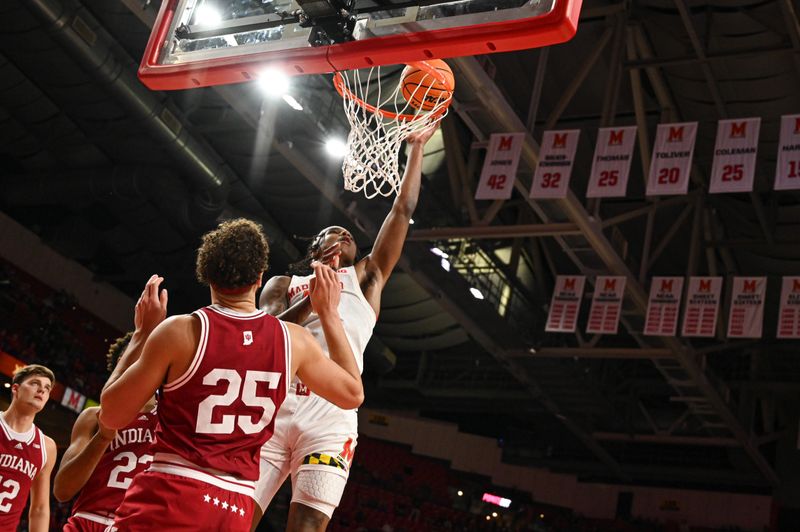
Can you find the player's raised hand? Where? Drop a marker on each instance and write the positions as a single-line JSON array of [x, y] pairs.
[[420, 138], [151, 309], [325, 288], [331, 254]]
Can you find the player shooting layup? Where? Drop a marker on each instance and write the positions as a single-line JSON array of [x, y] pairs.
[[27, 456], [314, 440], [226, 368], [101, 463]]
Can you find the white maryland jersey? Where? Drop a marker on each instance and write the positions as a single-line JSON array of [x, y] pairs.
[[310, 432], [357, 314]]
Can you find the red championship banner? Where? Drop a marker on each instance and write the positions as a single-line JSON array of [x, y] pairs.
[[746, 315], [500, 166], [702, 306], [735, 155], [606, 305], [611, 165], [566, 303], [672, 159], [556, 157], [789, 314], [787, 173], [663, 306]]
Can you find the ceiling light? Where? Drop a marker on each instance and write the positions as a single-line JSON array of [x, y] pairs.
[[460, 493], [336, 148], [476, 293], [207, 16], [541, 516], [7, 385], [488, 517], [439, 252], [411, 221], [291, 102], [494, 514], [273, 83], [446, 265]]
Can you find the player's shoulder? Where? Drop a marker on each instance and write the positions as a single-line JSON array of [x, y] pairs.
[[276, 280], [50, 446], [177, 324], [297, 333]]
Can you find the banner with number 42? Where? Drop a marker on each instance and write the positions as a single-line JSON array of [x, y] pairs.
[[500, 166]]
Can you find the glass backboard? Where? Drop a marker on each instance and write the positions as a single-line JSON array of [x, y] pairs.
[[198, 43]]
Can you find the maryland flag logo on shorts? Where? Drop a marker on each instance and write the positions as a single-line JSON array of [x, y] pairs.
[[325, 459]]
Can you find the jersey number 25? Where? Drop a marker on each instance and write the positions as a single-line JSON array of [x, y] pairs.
[[235, 390]]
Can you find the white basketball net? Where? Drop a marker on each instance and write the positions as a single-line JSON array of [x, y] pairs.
[[374, 142]]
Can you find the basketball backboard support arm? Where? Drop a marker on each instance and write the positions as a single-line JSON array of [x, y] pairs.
[[187, 50]]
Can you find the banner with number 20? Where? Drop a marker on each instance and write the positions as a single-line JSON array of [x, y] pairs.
[[672, 159]]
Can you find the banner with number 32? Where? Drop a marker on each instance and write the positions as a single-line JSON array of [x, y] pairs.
[[556, 158]]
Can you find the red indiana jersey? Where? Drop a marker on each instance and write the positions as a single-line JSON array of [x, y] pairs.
[[214, 419], [126, 456], [22, 456]]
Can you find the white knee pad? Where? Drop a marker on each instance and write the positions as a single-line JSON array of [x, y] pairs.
[[320, 490]]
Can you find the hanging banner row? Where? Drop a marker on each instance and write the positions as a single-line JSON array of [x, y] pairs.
[[703, 296], [733, 169]]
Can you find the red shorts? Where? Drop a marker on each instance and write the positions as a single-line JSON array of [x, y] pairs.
[[162, 501], [81, 522]]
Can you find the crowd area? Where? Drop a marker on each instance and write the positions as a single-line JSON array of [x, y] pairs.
[[41, 326], [390, 489]]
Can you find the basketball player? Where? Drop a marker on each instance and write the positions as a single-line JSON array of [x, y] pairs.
[[27, 456], [100, 463], [314, 439], [224, 372]]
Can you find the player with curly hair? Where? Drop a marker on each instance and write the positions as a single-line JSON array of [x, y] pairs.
[[100, 463], [27, 456], [224, 371], [314, 440]]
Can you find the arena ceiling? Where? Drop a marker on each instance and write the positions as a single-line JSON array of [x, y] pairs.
[[124, 180]]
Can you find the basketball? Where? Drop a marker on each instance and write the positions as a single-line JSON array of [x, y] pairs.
[[419, 85]]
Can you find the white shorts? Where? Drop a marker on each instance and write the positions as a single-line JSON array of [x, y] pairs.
[[313, 436]]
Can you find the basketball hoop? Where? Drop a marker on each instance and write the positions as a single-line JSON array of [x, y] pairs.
[[380, 122]]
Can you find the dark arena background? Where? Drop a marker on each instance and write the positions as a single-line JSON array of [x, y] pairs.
[[548, 357]]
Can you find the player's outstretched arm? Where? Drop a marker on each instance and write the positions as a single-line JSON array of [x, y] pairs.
[[86, 448], [173, 339], [39, 512], [150, 310], [392, 235]]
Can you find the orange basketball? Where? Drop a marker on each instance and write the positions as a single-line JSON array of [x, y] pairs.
[[423, 90]]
